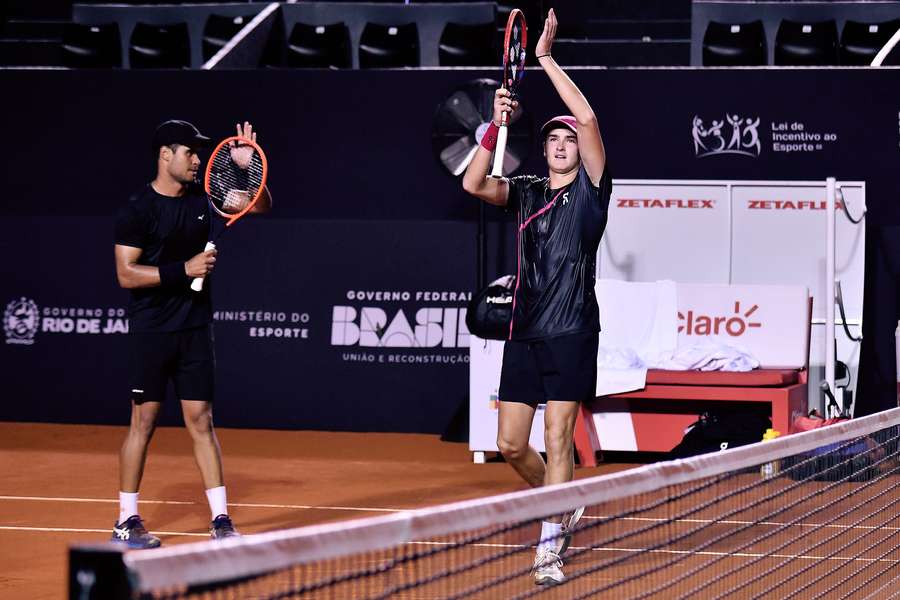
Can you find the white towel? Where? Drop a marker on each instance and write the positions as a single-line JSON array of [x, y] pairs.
[[636, 320], [705, 356]]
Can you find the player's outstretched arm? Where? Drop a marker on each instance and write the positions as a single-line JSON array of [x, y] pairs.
[[590, 143], [475, 179]]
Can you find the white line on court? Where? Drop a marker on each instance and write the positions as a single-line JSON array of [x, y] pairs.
[[80, 530], [389, 510], [181, 502]]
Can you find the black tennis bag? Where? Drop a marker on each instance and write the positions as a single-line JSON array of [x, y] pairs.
[[490, 310], [719, 431]]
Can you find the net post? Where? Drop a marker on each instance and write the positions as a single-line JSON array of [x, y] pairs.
[[97, 571]]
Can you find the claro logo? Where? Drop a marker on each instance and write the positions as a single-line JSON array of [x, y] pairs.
[[694, 323]]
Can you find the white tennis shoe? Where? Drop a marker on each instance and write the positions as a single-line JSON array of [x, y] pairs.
[[548, 567]]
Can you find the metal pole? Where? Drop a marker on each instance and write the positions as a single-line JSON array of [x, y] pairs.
[[830, 185]]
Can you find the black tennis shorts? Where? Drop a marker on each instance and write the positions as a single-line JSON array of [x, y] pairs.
[[558, 368], [186, 357]]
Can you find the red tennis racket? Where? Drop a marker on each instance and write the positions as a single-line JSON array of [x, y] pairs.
[[514, 44], [234, 181]]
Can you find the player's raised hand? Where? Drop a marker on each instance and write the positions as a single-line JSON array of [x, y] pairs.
[[545, 43], [242, 154]]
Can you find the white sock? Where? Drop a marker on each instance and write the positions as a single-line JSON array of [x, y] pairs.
[[217, 502], [551, 534], [127, 505]]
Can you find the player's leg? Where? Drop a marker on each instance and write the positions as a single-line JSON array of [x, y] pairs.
[[150, 358], [199, 422], [569, 368], [513, 430], [520, 393], [133, 455], [194, 384], [559, 426], [559, 435]]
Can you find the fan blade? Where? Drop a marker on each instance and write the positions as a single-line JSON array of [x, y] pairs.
[[464, 164], [461, 106], [457, 156]]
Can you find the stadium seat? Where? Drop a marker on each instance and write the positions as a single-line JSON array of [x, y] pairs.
[[219, 30], [91, 46], [860, 42], [160, 46], [319, 46], [468, 45], [389, 46], [806, 44], [734, 44]]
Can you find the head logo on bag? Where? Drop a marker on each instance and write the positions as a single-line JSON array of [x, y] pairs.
[[490, 310]]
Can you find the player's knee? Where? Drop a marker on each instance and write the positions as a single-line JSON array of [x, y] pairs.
[[199, 423], [511, 449], [143, 425]]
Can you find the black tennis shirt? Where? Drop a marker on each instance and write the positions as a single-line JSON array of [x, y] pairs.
[[169, 230], [557, 254]]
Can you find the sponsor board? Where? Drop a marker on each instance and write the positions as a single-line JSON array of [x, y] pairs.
[[401, 327]]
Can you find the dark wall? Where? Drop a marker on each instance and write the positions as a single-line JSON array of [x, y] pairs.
[[361, 204]]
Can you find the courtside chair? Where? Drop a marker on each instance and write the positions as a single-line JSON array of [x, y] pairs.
[[806, 44], [319, 46], [219, 30], [91, 46], [468, 45], [734, 44], [160, 46], [389, 46], [860, 42]]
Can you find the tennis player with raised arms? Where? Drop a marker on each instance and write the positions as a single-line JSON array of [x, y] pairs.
[[551, 354], [159, 248]]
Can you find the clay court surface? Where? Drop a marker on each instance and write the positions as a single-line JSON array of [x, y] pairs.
[[59, 484]]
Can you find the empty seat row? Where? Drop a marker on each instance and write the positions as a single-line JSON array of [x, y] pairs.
[[312, 46], [796, 43]]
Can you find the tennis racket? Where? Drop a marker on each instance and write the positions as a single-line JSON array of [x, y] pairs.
[[514, 44], [234, 181]]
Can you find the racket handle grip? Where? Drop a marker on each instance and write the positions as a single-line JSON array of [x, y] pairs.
[[197, 283], [499, 152]]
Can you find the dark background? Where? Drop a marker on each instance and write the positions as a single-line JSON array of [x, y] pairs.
[[361, 203]]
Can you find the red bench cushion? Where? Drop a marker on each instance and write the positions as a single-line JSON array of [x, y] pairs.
[[754, 378]]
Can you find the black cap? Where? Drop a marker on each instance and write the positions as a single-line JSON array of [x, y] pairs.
[[179, 132]]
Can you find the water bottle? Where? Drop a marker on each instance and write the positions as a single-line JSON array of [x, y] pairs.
[[770, 469]]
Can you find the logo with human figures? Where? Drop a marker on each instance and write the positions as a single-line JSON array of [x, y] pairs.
[[20, 321], [734, 134]]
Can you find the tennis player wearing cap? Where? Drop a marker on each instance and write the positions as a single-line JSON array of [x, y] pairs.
[[160, 235], [551, 354]]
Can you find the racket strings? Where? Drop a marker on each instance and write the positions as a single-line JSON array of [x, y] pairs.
[[233, 185], [514, 61]]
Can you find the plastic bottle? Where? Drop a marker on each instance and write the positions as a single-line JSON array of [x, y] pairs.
[[770, 469]]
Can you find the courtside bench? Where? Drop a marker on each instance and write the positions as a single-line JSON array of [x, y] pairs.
[[771, 322]]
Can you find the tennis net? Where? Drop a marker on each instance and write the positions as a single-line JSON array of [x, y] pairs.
[[811, 515]]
